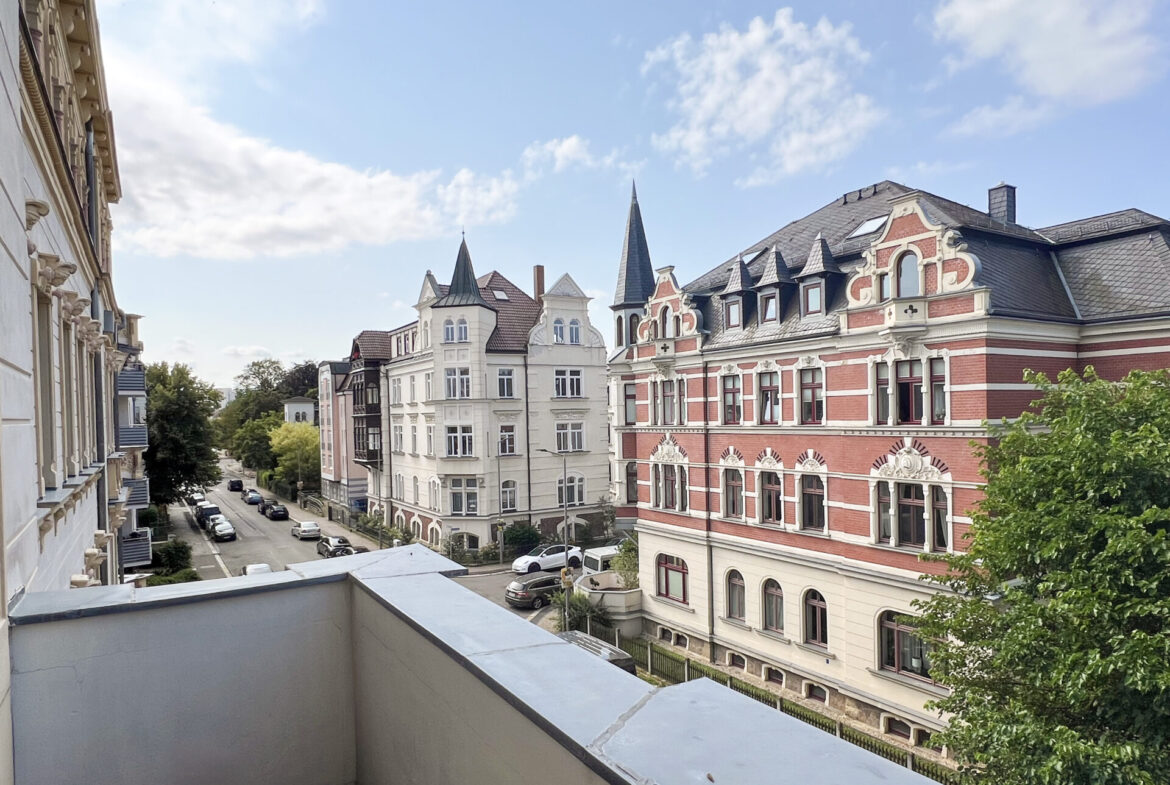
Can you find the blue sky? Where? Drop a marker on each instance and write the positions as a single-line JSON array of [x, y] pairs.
[[291, 167]]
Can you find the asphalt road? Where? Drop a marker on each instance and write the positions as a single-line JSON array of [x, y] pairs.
[[258, 540]]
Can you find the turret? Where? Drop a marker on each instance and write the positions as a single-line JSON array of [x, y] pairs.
[[635, 281]]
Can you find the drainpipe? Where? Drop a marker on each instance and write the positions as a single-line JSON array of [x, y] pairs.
[[707, 522], [103, 508], [527, 443]]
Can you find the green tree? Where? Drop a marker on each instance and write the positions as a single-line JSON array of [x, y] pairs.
[[264, 375], [625, 563], [296, 447], [178, 418], [252, 443], [521, 538], [580, 609], [301, 379], [1054, 638]]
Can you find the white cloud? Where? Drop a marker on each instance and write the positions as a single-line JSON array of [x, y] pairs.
[[196, 185], [182, 346], [780, 90], [247, 351], [1062, 53], [569, 153]]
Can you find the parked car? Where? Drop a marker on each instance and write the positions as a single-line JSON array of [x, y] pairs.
[[221, 529], [253, 497], [547, 557], [328, 544], [598, 559], [235, 485], [204, 511], [347, 550], [262, 508], [532, 591], [276, 512], [255, 569], [306, 530], [195, 498]]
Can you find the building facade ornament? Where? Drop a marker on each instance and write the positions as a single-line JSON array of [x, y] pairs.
[[668, 451]]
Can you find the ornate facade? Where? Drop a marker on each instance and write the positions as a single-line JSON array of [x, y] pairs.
[[793, 428]]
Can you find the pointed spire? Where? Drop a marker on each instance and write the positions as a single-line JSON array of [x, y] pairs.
[[820, 260], [740, 279], [775, 271], [635, 281], [463, 289]]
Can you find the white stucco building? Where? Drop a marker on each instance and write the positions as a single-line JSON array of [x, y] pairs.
[[489, 409]]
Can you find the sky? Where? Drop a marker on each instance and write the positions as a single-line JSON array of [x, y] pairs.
[[290, 168]]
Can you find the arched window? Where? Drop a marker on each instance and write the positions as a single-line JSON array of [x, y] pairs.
[[461, 330], [667, 322], [816, 619], [619, 335], [448, 331], [426, 334], [631, 483], [574, 332], [677, 326], [634, 319], [558, 330], [671, 577], [508, 495], [575, 490], [732, 493], [433, 536], [812, 503], [735, 595], [901, 648], [773, 606], [416, 529], [908, 275]]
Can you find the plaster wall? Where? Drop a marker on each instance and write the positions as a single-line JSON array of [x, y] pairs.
[[255, 688]]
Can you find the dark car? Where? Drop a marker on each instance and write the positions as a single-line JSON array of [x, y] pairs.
[[245, 491], [532, 591], [253, 497], [235, 485], [264, 504], [326, 545], [347, 550], [276, 512]]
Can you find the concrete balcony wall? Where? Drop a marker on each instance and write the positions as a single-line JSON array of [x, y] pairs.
[[623, 605]]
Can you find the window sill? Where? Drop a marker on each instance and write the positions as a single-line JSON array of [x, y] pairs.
[[910, 681], [822, 533], [672, 603], [743, 625], [817, 650], [779, 637]]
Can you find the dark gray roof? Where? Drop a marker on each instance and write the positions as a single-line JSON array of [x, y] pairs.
[[1120, 277], [774, 270], [738, 279], [1023, 277], [1100, 225], [820, 260], [463, 289], [635, 281]]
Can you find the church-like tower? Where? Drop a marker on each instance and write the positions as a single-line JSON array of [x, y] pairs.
[[635, 281]]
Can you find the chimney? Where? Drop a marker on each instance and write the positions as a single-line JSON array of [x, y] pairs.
[[538, 282], [1001, 203]]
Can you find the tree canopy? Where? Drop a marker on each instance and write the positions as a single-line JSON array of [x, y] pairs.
[[300, 379], [178, 418], [296, 447], [1054, 638], [252, 443]]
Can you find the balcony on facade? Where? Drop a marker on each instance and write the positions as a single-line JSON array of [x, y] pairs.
[[138, 492], [340, 671], [131, 437], [132, 380], [134, 549]]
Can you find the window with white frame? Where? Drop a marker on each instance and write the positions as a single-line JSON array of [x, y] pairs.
[[574, 331], [669, 402], [448, 331], [374, 437], [570, 436], [567, 383], [773, 601], [812, 298], [812, 503], [508, 496], [631, 483], [414, 489], [413, 395], [504, 388], [558, 330], [436, 491], [461, 330], [395, 391], [630, 397], [732, 493], [732, 400], [907, 511], [396, 432], [571, 490], [507, 440], [769, 397], [459, 441], [414, 439], [458, 382], [768, 307], [427, 386], [771, 498], [464, 496], [812, 396], [430, 440], [736, 596], [399, 489], [426, 335], [733, 310]]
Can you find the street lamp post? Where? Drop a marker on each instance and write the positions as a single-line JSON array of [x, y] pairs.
[[565, 525]]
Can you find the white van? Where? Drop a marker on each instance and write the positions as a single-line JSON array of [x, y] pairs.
[[598, 559]]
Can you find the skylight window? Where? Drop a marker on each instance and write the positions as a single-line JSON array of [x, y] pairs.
[[500, 294], [868, 227]]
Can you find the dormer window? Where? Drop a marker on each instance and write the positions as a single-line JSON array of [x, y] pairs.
[[734, 311], [559, 331], [768, 309], [813, 295]]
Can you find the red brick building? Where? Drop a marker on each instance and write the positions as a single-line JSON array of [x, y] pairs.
[[793, 428]]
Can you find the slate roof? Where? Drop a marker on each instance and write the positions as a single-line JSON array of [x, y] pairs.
[[738, 279], [774, 270], [463, 289], [514, 316], [635, 281], [1120, 277], [1023, 278], [820, 260]]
